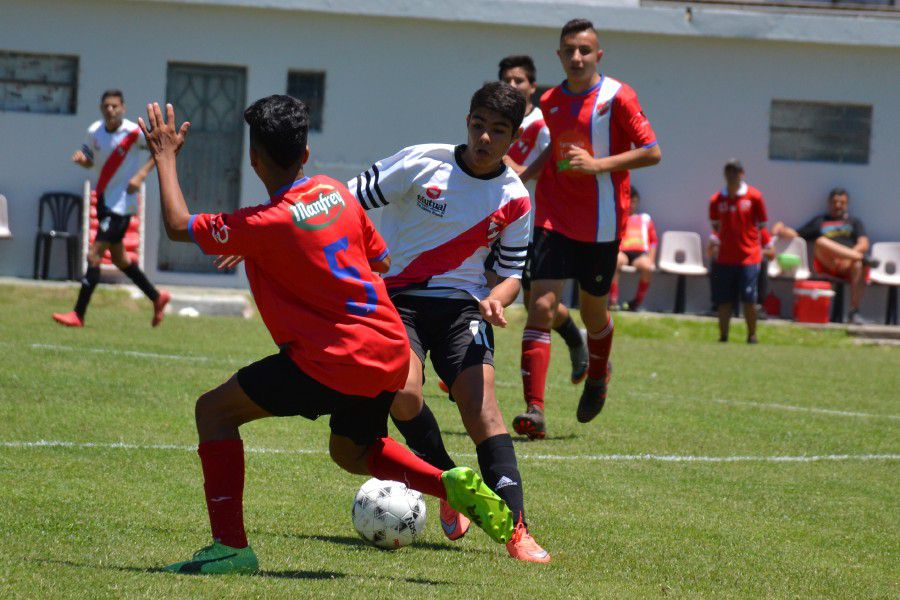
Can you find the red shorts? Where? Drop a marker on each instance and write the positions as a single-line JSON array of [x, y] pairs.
[[845, 274]]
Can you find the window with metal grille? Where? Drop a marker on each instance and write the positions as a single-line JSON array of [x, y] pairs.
[[820, 131], [309, 86], [39, 83]]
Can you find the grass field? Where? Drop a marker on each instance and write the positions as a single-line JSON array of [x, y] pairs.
[[697, 480]]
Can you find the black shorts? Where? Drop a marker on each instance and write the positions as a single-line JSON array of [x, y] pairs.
[[592, 264], [633, 255], [111, 227], [730, 282], [278, 386], [452, 330]]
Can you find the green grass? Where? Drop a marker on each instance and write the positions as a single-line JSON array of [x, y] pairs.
[[95, 522]]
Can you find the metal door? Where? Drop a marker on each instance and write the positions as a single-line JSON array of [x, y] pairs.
[[209, 166]]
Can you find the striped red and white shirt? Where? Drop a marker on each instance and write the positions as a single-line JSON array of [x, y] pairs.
[[116, 159]]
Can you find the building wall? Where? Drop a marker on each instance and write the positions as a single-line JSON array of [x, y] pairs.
[[393, 82]]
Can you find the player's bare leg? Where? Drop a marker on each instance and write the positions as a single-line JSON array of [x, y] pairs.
[[473, 390], [644, 266], [75, 318], [542, 309], [565, 326], [598, 321], [750, 317], [621, 261], [724, 313]]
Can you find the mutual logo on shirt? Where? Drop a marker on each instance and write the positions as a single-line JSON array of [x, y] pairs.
[[319, 213], [432, 202]]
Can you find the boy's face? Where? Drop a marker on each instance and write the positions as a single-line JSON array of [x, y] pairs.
[[490, 136], [733, 177], [113, 109], [518, 78], [635, 202], [579, 54]]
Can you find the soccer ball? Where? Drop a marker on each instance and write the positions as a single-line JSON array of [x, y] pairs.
[[388, 514]]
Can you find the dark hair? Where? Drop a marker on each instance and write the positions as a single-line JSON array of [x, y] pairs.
[[501, 98], [279, 125], [518, 60], [576, 26], [109, 93], [635, 193], [838, 191]]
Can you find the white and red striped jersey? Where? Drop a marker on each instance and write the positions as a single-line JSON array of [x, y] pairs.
[[116, 160], [640, 234], [439, 219], [533, 138]]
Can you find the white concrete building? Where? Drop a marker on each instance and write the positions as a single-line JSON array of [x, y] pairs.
[[400, 72]]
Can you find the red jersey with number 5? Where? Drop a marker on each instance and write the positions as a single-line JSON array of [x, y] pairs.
[[605, 120], [307, 257]]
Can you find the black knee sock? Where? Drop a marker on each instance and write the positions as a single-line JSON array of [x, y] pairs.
[[137, 276], [88, 283], [497, 460], [423, 436], [569, 332]]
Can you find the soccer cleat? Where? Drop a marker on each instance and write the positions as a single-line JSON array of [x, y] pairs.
[[467, 493], [523, 547], [454, 523], [217, 559], [443, 386], [579, 358], [159, 307], [69, 319], [531, 423], [593, 397]]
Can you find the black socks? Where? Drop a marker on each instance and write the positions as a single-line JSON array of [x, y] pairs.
[[570, 333], [88, 283], [423, 436], [137, 276], [497, 460]]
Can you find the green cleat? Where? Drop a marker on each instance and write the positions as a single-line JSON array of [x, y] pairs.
[[468, 494], [218, 559]]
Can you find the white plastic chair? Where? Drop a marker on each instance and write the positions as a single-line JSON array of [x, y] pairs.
[[681, 254], [4, 219], [797, 247], [887, 274]]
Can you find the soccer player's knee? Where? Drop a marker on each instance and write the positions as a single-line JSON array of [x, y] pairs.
[[407, 404], [349, 457], [205, 409]]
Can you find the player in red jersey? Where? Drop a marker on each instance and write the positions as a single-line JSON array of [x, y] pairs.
[[638, 249], [738, 214], [311, 255], [598, 132]]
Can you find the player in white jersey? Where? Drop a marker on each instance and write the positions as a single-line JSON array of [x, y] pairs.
[[112, 148], [534, 137], [441, 209]]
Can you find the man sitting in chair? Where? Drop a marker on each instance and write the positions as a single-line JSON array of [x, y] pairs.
[[839, 244]]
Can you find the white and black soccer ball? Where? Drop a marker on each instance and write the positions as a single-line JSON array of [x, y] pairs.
[[388, 514]]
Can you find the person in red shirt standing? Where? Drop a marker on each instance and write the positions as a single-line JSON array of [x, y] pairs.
[[738, 215], [598, 131], [638, 249], [311, 257]]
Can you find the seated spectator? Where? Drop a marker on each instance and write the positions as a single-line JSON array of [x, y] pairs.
[[840, 245], [638, 248], [737, 214]]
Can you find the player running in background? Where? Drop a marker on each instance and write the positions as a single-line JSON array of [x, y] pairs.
[[598, 132], [534, 137], [112, 146], [311, 254], [638, 249], [442, 206]]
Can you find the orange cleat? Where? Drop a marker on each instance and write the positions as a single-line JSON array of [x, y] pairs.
[[454, 524], [159, 307], [69, 319], [523, 547], [443, 386]]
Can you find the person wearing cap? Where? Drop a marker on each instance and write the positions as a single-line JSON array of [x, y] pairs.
[[737, 213], [840, 245]]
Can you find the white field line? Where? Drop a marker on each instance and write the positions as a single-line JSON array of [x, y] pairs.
[[821, 411], [132, 353], [537, 457]]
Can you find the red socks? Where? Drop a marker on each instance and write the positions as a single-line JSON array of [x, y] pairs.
[[223, 482], [641, 292], [535, 363], [390, 460], [599, 346], [614, 292]]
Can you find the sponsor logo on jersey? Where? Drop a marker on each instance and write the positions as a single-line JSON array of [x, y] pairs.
[[319, 213], [744, 205], [604, 108], [432, 202]]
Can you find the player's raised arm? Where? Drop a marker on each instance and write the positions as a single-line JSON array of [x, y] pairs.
[[164, 142]]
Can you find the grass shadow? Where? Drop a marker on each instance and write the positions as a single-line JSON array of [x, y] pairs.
[[345, 540]]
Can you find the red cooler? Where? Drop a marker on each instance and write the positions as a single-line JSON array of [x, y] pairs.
[[812, 301]]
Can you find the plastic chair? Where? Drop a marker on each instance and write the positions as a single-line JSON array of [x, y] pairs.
[[4, 219], [62, 207], [681, 254], [887, 274], [797, 247]]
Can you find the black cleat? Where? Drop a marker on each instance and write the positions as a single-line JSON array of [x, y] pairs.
[[579, 358], [531, 423], [870, 262], [593, 397]]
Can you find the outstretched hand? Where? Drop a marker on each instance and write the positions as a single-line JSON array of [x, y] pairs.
[[492, 312], [163, 139], [224, 262]]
